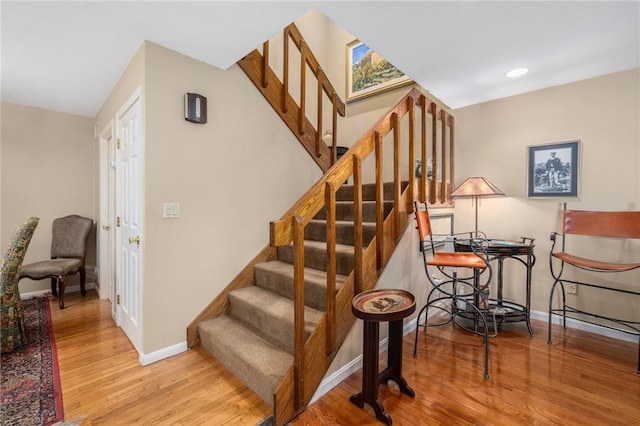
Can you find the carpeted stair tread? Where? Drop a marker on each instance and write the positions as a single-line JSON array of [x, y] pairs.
[[277, 276], [315, 256], [260, 364], [316, 230], [271, 314]]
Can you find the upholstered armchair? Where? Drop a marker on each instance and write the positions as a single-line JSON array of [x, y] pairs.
[[68, 247], [12, 331]]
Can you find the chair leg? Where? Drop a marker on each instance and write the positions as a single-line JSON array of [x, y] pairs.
[[638, 370], [553, 289], [54, 287], [485, 336], [415, 343], [83, 275], [63, 284]]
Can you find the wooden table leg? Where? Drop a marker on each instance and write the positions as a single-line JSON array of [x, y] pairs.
[[394, 359], [370, 382]]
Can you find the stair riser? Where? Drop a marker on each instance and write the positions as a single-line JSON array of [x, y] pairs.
[[317, 259], [344, 211], [368, 192], [315, 294], [317, 231], [277, 329], [245, 374], [257, 363]]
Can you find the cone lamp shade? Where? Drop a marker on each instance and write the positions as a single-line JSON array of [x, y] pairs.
[[475, 187]]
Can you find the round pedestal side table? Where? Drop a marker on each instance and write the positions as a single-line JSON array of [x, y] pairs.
[[373, 307]]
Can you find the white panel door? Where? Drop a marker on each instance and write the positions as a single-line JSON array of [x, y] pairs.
[[128, 221]]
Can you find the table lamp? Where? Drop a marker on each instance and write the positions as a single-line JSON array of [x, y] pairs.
[[475, 187]]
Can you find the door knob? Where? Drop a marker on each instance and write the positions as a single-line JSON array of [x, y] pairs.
[[106, 227], [135, 239]]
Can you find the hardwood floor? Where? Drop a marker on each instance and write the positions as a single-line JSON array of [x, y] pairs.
[[103, 382], [583, 379]]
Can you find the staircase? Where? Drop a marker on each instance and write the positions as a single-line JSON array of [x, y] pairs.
[[255, 341], [279, 323]]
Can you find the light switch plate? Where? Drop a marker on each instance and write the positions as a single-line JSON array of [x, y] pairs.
[[171, 210]]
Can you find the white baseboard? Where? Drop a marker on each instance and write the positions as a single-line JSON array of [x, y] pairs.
[[146, 359], [67, 290], [591, 328]]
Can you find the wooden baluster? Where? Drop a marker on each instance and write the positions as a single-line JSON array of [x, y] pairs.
[[395, 122], [423, 159], [334, 126], [298, 298], [357, 225], [285, 71], [330, 206], [443, 136], [412, 157], [303, 83], [452, 163], [265, 63], [434, 154], [319, 124], [379, 201]]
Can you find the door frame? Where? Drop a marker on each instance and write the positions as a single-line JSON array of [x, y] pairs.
[[106, 245]]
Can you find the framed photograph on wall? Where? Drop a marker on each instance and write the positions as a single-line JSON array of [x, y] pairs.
[[553, 170], [369, 73]]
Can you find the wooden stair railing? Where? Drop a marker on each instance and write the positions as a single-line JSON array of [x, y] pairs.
[[313, 357], [257, 68]]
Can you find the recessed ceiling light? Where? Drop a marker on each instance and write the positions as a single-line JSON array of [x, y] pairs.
[[517, 72]]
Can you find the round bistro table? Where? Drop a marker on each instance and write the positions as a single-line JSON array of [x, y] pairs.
[[373, 307]]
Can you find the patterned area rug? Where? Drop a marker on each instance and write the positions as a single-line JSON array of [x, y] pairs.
[[31, 393]]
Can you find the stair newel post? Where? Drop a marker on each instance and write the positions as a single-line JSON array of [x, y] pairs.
[[452, 175], [395, 122], [443, 153], [379, 201], [330, 206], [357, 222], [434, 154], [423, 154], [298, 296], [303, 85], [319, 124], [285, 71], [410, 198], [265, 63]]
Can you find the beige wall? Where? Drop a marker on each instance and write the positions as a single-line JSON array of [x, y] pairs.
[[47, 172], [231, 176], [492, 141]]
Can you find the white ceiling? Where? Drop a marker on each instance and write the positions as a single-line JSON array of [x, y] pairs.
[[67, 56]]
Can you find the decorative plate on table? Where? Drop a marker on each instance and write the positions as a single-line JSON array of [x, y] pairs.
[[383, 304]]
